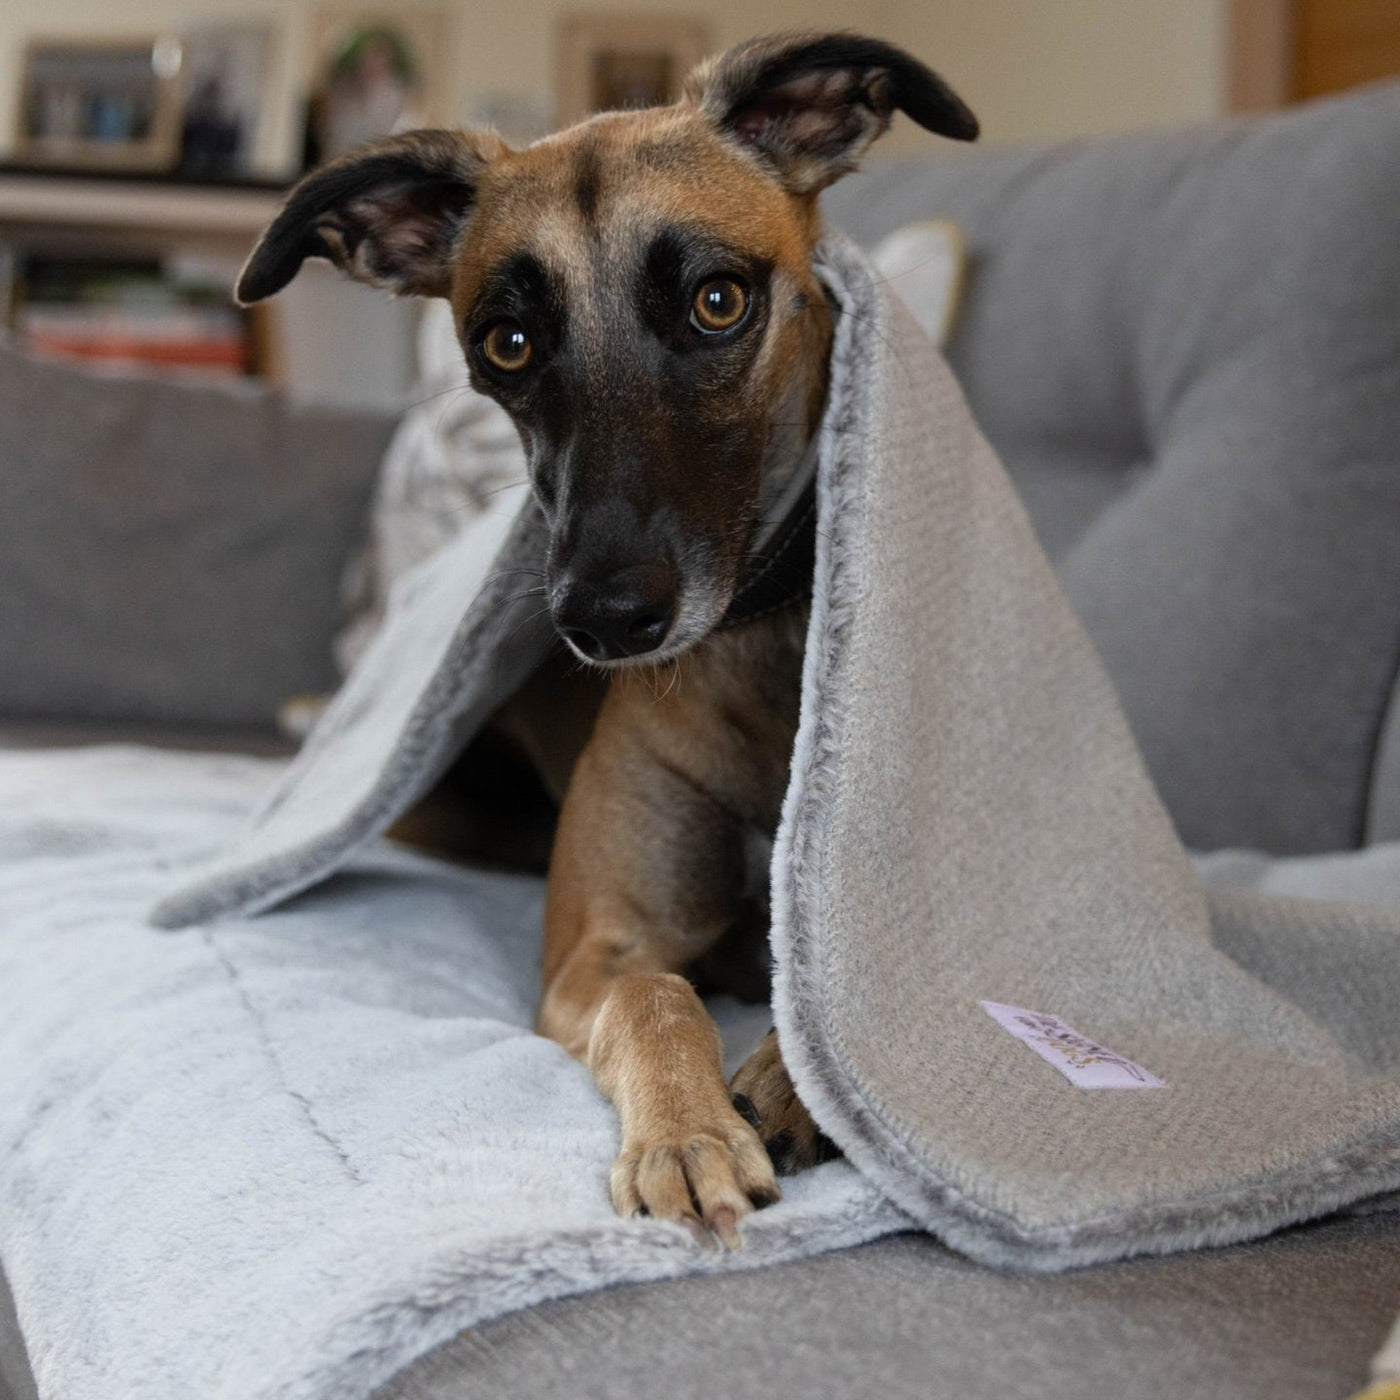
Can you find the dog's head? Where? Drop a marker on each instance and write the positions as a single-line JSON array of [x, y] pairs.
[[638, 292]]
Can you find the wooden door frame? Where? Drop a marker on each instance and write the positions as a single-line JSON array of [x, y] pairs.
[[1261, 54]]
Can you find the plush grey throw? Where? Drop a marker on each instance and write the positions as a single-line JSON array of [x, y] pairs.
[[968, 821], [284, 1155]]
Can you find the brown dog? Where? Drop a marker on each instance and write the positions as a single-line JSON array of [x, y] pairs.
[[638, 292]]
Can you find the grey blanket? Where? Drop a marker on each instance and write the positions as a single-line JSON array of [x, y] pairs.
[[968, 822], [281, 1156], [285, 1156]]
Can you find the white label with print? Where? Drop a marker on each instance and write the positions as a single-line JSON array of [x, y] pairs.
[[1082, 1061]]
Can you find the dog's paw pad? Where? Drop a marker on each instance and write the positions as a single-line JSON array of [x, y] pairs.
[[763, 1196], [790, 1153], [707, 1179], [762, 1093], [744, 1106]]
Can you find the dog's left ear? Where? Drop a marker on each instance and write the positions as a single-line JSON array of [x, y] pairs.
[[809, 105], [389, 214]]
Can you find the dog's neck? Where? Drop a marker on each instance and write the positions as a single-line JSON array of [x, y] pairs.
[[781, 572], [784, 552]]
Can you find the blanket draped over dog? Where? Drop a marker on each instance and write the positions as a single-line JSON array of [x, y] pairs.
[[999, 983]]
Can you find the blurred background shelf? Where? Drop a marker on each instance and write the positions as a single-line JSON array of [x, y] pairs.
[[1032, 71], [223, 215], [323, 339]]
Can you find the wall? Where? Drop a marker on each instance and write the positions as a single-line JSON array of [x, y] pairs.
[[1032, 69], [1048, 69]]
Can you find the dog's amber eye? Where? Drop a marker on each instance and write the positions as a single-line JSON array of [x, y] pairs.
[[719, 305], [507, 346]]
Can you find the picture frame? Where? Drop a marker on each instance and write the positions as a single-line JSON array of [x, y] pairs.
[[224, 103], [374, 69], [611, 62], [111, 104]]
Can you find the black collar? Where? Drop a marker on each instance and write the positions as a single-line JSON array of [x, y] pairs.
[[781, 572]]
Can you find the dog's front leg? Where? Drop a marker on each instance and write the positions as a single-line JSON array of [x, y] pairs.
[[644, 877], [686, 1153]]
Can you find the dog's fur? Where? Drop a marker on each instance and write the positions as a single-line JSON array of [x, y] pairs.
[[655, 445]]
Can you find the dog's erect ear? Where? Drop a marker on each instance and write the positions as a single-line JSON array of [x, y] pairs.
[[388, 215], [810, 104]]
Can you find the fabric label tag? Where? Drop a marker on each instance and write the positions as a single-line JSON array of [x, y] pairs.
[[1084, 1062]]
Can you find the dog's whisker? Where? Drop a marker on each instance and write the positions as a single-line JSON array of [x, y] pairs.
[[505, 486], [677, 670], [524, 622], [501, 645], [422, 491], [506, 573], [536, 592], [437, 394]]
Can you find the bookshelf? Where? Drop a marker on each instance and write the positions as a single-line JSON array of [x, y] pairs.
[[323, 338], [222, 217]]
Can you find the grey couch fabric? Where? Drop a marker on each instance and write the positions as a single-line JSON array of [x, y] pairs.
[[1187, 350], [16, 1377], [1294, 1318], [171, 553], [1383, 808], [49, 734]]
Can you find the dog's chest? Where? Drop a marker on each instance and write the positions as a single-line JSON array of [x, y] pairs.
[[744, 710]]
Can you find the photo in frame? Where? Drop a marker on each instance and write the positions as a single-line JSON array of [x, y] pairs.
[[224, 86], [611, 62], [374, 72], [100, 103]]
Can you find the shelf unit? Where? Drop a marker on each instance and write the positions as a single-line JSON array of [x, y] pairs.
[[82, 208], [323, 338]]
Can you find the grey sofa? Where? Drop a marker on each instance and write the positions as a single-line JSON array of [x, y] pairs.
[[170, 554], [1187, 350]]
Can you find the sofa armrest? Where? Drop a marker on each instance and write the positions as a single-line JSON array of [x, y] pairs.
[[1383, 796], [170, 552], [1186, 348]]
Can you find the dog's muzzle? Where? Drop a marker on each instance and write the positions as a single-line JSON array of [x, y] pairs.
[[628, 613]]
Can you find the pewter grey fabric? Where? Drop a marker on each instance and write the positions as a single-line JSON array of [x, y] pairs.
[[41, 734], [1294, 1318], [1383, 808], [171, 553], [967, 820], [16, 1377], [1186, 348]]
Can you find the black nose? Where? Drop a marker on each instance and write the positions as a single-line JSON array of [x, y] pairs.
[[627, 614]]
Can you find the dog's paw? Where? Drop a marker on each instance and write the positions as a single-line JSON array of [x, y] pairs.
[[707, 1179], [764, 1095]]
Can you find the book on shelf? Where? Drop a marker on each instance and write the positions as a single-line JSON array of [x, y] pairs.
[[136, 313]]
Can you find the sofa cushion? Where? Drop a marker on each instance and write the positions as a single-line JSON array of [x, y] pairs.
[[1383, 810], [170, 553], [1186, 347], [1292, 1318]]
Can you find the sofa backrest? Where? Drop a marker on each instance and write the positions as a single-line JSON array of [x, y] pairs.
[[171, 553], [1186, 348]]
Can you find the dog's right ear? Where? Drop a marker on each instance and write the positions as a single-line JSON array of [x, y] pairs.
[[389, 215], [809, 105]]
